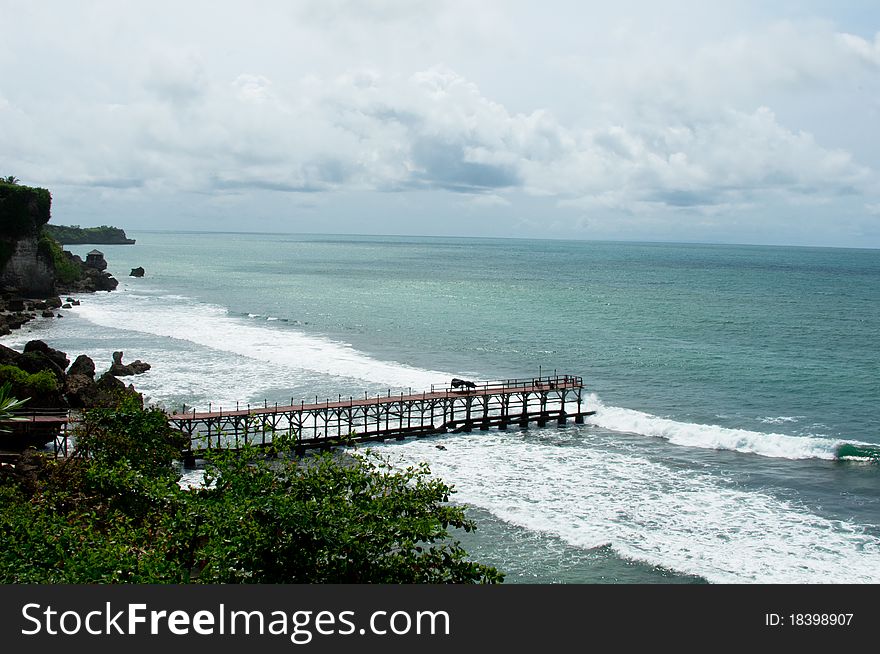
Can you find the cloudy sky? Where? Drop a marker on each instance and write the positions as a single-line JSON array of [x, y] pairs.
[[737, 122]]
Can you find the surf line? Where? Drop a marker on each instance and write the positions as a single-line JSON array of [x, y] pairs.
[[460, 406]]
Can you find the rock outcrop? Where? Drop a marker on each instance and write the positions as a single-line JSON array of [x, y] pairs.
[[82, 365], [90, 279], [77, 386], [119, 369], [137, 272], [38, 350], [32, 263]]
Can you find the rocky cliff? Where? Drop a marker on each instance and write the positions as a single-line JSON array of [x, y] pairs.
[[32, 263], [26, 266]]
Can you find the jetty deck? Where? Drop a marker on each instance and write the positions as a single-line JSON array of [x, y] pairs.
[[480, 405]]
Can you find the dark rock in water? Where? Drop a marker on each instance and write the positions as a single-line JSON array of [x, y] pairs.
[[39, 305], [53, 302], [83, 365], [95, 259], [137, 272], [47, 314], [119, 369], [40, 348], [66, 305]]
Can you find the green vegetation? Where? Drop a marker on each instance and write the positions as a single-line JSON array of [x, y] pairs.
[[23, 209], [119, 515], [8, 403], [23, 384], [66, 271], [76, 235]]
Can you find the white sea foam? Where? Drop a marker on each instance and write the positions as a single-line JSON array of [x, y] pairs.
[[713, 436], [285, 348], [778, 420], [688, 521]]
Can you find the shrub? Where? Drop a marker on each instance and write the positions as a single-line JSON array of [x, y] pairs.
[[118, 515], [66, 271], [24, 384]]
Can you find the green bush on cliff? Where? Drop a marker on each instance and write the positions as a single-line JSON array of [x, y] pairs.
[[119, 515], [66, 271], [26, 385], [23, 209]]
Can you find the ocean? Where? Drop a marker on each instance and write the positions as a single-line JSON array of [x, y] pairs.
[[735, 439]]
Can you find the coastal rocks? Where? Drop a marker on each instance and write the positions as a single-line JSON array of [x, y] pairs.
[[137, 272], [84, 392], [77, 387], [41, 350], [82, 365], [10, 321], [14, 304], [90, 281], [119, 369]]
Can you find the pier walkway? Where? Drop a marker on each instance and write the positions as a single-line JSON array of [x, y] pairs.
[[474, 405]]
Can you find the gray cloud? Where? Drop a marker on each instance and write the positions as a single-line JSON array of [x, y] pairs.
[[612, 113]]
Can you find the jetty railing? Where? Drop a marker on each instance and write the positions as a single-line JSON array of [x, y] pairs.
[[443, 408]]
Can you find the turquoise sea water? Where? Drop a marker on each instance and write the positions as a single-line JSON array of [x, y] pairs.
[[735, 386]]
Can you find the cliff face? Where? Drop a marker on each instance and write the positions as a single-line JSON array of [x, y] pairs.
[[24, 265], [29, 270]]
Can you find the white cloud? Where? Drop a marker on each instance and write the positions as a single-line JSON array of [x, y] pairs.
[[607, 110]]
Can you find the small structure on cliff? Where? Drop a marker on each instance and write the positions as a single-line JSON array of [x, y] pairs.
[[95, 259]]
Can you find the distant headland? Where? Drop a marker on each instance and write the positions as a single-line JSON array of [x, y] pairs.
[[76, 235]]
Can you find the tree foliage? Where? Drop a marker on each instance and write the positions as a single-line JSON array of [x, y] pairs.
[[23, 209], [76, 235], [114, 512]]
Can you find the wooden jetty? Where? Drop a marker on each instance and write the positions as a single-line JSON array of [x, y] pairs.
[[480, 405], [33, 428]]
